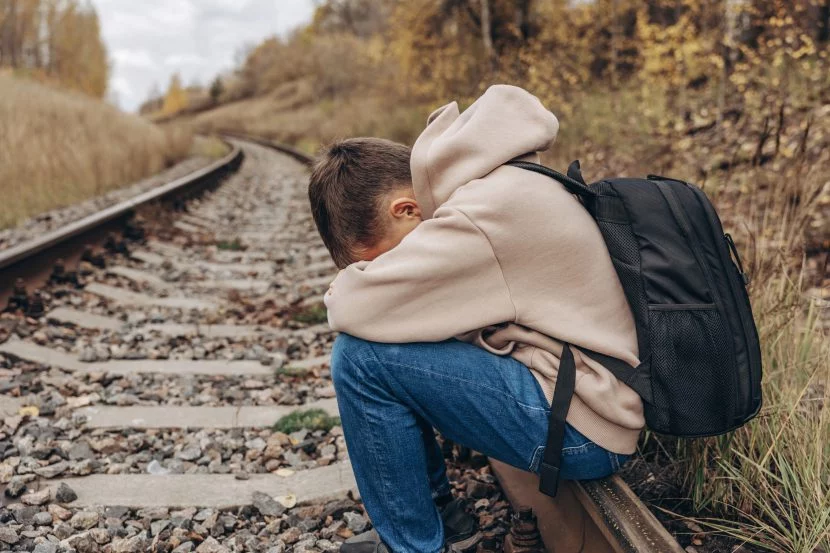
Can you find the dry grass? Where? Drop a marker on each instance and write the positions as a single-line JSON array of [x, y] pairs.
[[58, 148], [769, 482], [291, 115]]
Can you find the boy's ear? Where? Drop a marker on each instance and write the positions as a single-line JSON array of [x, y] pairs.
[[404, 206]]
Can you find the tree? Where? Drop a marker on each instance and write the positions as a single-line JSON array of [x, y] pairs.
[[217, 88], [79, 56], [59, 40], [176, 98]]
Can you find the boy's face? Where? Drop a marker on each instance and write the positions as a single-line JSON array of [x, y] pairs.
[[401, 215]]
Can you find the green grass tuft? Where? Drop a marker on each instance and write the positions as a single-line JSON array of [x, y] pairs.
[[308, 419], [289, 370], [233, 245], [311, 315]]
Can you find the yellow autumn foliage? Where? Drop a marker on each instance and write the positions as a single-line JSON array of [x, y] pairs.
[[59, 148]]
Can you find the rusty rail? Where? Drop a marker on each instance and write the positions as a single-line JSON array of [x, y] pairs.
[[32, 259], [300, 156]]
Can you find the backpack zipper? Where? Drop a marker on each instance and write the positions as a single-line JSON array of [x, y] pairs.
[[680, 217], [738, 294], [734, 249]]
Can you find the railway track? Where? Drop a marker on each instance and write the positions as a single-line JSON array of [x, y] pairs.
[[137, 403]]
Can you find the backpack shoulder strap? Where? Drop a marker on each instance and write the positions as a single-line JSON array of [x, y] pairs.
[[618, 367], [575, 171], [562, 394], [573, 185]]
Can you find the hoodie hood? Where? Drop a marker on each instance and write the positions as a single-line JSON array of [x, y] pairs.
[[506, 122]]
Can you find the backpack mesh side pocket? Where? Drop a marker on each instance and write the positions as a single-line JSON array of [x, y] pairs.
[[692, 371]]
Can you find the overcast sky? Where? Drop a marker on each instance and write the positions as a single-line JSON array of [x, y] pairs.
[[149, 40]]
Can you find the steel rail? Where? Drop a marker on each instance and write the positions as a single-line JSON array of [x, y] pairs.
[[32, 259], [300, 156], [604, 515], [20, 252]]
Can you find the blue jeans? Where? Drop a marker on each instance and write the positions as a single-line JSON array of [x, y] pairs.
[[392, 396]]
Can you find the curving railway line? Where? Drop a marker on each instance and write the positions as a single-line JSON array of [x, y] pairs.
[[142, 374]]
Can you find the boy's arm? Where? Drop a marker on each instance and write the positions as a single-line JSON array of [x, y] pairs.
[[442, 280]]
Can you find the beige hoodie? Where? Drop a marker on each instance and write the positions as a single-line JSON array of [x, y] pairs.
[[506, 259]]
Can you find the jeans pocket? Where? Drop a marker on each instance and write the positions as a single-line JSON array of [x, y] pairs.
[[536, 460]]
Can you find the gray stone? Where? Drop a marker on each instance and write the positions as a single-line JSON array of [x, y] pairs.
[[294, 458], [158, 526], [305, 545], [326, 545], [267, 505], [82, 543], [355, 521], [116, 511], [62, 531], [185, 547], [210, 545], [37, 498], [59, 512], [190, 453], [84, 520], [291, 536], [16, 487], [42, 519], [8, 535], [51, 471], [154, 513], [80, 450], [9, 406], [65, 494], [46, 547], [100, 535], [26, 515], [81, 468], [134, 544]]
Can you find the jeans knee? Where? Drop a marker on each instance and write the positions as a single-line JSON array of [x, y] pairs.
[[345, 354]]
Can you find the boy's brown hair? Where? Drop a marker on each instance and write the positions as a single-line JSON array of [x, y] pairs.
[[349, 180]]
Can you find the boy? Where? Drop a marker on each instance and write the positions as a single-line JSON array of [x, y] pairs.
[[460, 279]]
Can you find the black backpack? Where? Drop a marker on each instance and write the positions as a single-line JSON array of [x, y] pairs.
[[700, 370]]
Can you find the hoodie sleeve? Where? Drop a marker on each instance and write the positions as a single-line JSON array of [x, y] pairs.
[[442, 280]]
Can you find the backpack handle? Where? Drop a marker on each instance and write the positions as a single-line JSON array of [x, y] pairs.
[[569, 182]]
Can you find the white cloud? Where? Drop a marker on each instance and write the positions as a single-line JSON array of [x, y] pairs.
[[181, 60], [150, 40], [134, 58]]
